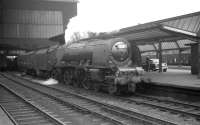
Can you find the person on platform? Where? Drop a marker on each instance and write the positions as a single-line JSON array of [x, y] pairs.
[[147, 64]]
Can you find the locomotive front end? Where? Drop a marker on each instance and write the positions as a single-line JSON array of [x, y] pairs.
[[126, 75], [129, 77]]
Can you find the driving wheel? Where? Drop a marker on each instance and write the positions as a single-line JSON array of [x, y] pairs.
[[112, 89], [67, 77]]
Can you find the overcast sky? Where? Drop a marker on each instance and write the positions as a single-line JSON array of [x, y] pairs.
[[108, 15]]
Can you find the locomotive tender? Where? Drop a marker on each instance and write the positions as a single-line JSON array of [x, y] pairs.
[[92, 64]]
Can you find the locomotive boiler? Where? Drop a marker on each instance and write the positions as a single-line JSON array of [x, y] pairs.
[[92, 64]]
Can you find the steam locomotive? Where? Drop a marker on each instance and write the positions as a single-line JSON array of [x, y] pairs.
[[92, 64]]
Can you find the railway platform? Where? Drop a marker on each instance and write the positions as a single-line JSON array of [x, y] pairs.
[[4, 119], [178, 78]]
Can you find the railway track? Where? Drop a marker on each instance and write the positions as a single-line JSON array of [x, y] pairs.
[[61, 109], [177, 107], [22, 111], [180, 111], [116, 114]]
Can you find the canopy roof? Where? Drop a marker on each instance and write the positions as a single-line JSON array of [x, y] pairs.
[[174, 33], [187, 26]]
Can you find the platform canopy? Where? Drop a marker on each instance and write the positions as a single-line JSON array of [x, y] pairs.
[[174, 33], [29, 24], [176, 28], [168, 34]]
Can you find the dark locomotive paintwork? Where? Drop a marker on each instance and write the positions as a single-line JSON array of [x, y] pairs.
[[7, 62], [91, 64], [3, 62], [98, 53]]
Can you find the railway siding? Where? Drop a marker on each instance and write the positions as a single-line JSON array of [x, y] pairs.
[[23, 111], [155, 112]]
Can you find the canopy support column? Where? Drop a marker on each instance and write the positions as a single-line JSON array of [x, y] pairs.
[[160, 55], [179, 53], [156, 51], [195, 52], [199, 60]]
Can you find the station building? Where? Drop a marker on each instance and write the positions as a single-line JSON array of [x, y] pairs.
[[28, 24]]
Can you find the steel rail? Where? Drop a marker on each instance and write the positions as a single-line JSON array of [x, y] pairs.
[[9, 115], [169, 109], [30, 103], [71, 104], [122, 111]]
